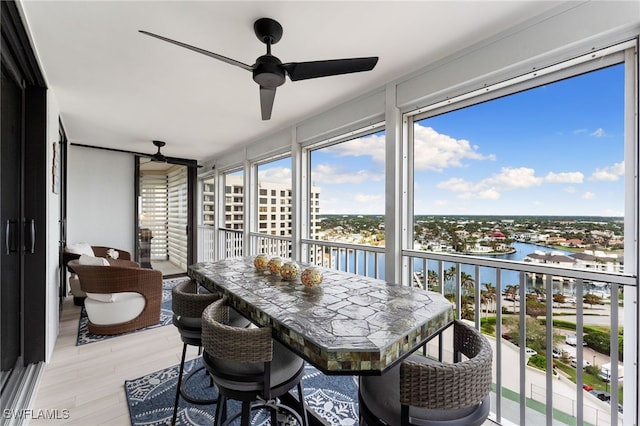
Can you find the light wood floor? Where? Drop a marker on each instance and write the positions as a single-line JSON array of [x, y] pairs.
[[88, 380], [167, 268]]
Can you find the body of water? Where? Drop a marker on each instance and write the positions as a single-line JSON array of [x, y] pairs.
[[487, 275]]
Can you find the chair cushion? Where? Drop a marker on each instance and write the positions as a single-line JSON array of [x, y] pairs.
[[96, 261], [74, 284], [80, 248], [284, 366], [124, 307], [381, 395]]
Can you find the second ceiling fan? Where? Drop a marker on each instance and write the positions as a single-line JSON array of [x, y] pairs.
[[269, 72]]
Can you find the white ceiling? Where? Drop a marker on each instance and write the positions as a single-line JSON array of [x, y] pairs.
[[118, 88]]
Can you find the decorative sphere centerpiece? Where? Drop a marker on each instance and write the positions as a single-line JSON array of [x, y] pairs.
[[290, 271], [311, 277], [275, 265], [260, 262]]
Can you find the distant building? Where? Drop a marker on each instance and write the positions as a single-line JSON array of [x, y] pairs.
[[598, 262], [274, 206], [573, 242], [497, 235], [554, 258], [556, 240], [577, 261]]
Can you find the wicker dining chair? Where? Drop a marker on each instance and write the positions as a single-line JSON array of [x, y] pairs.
[[249, 366], [425, 392], [187, 305]]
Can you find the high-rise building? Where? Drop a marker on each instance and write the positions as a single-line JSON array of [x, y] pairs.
[[275, 209]]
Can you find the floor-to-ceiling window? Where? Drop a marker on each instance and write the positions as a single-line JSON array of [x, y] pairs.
[[539, 171], [207, 218], [234, 213], [346, 202], [273, 207]]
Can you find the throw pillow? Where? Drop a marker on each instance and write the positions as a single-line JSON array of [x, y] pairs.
[[92, 260], [80, 248], [97, 261]]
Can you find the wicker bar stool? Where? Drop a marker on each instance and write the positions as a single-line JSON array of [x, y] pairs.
[[247, 365], [425, 392], [187, 305]]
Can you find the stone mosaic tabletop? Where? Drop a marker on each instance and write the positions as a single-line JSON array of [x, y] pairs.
[[350, 324]]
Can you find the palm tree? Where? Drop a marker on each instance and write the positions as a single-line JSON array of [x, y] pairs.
[[489, 296], [433, 280], [450, 274], [512, 291], [467, 282]]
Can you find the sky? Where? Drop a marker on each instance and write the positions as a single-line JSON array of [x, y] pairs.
[[553, 150]]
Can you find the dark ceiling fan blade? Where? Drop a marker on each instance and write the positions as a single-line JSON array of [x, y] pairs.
[[266, 101], [314, 69], [202, 51], [153, 157]]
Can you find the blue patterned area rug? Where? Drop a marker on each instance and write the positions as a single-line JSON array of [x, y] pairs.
[[166, 315], [151, 398]]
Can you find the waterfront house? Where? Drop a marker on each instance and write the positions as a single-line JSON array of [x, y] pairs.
[[79, 73]]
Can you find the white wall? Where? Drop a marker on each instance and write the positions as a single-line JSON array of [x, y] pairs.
[[53, 232], [101, 198]]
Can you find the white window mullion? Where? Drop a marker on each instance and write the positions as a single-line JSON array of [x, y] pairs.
[[393, 189]]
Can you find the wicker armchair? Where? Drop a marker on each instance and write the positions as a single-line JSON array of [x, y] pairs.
[[99, 251], [248, 365], [74, 282], [121, 297], [425, 392]]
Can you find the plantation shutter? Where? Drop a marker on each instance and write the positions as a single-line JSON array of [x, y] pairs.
[[177, 215]]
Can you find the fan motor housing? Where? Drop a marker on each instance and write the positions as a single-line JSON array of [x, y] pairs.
[[268, 72]]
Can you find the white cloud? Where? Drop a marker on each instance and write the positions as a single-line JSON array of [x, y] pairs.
[[588, 195], [598, 133], [276, 175], [435, 151], [487, 194], [372, 146], [610, 174], [441, 202], [325, 173], [564, 177], [512, 178], [456, 185], [509, 178], [570, 190]]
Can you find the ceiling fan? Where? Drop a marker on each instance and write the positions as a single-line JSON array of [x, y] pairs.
[[157, 157], [269, 72]]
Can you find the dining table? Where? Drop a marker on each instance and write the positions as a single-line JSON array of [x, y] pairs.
[[348, 325]]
